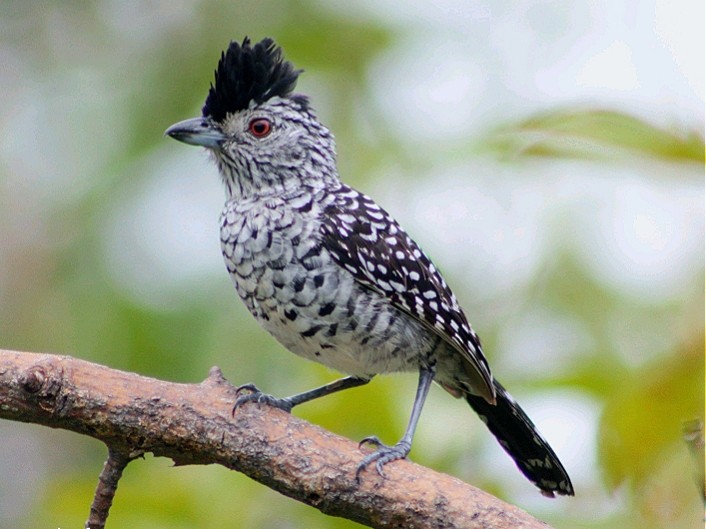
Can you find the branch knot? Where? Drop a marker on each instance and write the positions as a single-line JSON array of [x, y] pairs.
[[33, 380]]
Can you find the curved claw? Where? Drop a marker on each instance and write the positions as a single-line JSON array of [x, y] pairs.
[[253, 394], [383, 455], [259, 397], [252, 388], [371, 439]]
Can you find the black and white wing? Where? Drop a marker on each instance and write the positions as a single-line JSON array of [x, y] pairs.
[[367, 242]]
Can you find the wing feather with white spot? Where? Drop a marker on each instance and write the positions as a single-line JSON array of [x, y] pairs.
[[367, 242]]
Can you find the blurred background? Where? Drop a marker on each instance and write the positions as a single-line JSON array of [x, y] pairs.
[[548, 155]]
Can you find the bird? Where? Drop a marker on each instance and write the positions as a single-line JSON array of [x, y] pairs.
[[332, 275]]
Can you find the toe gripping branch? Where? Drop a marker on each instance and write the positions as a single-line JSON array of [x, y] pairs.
[[287, 403], [255, 395], [384, 453]]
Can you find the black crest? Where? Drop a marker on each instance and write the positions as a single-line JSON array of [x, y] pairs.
[[248, 73]]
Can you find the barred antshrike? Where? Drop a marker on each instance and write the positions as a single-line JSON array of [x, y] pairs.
[[329, 273]]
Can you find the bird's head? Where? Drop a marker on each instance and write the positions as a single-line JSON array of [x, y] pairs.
[[263, 138]]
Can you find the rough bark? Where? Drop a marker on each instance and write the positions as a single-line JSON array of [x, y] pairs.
[[194, 424]]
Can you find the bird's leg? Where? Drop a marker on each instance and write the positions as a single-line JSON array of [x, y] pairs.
[[287, 403], [384, 454]]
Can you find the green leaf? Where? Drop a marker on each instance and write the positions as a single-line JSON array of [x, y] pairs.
[[595, 134], [644, 422]]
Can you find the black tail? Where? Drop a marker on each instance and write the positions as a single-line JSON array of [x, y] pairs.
[[520, 438]]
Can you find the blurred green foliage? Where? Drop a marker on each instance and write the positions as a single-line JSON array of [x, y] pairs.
[[668, 392], [596, 134], [99, 83]]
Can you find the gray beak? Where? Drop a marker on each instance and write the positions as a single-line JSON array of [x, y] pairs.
[[197, 131]]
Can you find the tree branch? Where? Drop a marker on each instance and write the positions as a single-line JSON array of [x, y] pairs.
[[107, 485], [193, 424]]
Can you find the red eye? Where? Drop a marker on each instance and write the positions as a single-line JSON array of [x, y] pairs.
[[260, 127]]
